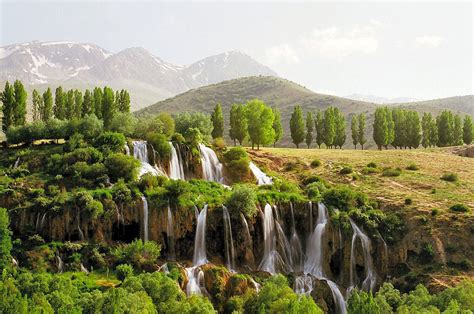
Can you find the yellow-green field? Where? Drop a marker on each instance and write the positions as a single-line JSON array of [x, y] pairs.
[[423, 186]]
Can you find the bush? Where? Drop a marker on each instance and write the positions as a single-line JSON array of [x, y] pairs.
[[185, 122], [161, 145], [110, 142], [178, 138], [314, 190], [427, 253], [369, 170], [344, 198], [243, 199], [219, 143], [123, 271], [390, 172], [408, 201], [372, 165], [88, 154], [90, 127], [434, 211], [412, 167], [450, 177], [315, 163], [122, 166], [237, 162], [123, 122], [460, 208], [346, 170], [140, 255]]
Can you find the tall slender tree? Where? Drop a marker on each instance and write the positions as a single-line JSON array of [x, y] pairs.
[[445, 123], [390, 127], [277, 127], [329, 127], [108, 106], [59, 103], [468, 130], [260, 123], [340, 124], [217, 119], [8, 104], [98, 102], [426, 122], [309, 129], [380, 128], [78, 104], [69, 105], [238, 123], [297, 126], [19, 111], [47, 105], [355, 130], [319, 127], [123, 103], [87, 106], [361, 135], [36, 104], [414, 129], [458, 130]]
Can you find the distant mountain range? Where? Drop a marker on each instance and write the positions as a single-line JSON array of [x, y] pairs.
[[148, 78], [380, 100], [284, 94]]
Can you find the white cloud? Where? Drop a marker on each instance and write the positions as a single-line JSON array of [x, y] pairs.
[[429, 40], [283, 53], [335, 42]]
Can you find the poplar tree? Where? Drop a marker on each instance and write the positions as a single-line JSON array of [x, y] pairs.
[[399, 119], [69, 105], [433, 133], [77, 104], [8, 103], [309, 129], [87, 106], [36, 103], [277, 127], [19, 110], [458, 131], [467, 130], [426, 123], [217, 119], [59, 103], [319, 127], [47, 112], [297, 126], [329, 127], [445, 123], [108, 106], [238, 123], [355, 130], [390, 127], [98, 102], [123, 103], [260, 123], [414, 129], [340, 126], [380, 128], [361, 137]]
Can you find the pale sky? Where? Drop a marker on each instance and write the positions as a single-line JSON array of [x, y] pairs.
[[418, 50]]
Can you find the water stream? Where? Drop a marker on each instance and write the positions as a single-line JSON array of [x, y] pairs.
[[211, 166], [145, 218], [170, 235], [229, 242], [262, 178], [176, 164]]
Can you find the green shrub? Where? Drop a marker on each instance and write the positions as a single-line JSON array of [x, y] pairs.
[[390, 172], [160, 144], [460, 208], [344, 198], [90, 127], [178, 138], [427, 252], [369, 170], [219, 143], [243, 199], [122, 166], [138, 254], [346, 170], [434, 212], [311, 179], [87, 154], [408, 201], [237, 162], [315, 163], [412, 167], [110, 142], [123, 271], [314, 190], [450, 177], [372, 165]]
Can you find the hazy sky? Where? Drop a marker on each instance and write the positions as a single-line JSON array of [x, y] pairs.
[[419, 50]]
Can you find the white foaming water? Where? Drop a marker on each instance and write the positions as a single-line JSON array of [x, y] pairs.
[[195, 281], [211, 166], [303, 285], [170, 235], [270, 254], [127, 149], [370, 275], [145, 218], [60, 264], [140, 152], [229, 242], [14, 262], [262, 178], [176, 164], [338, 297], [295, 245], [83, 269], [17, 163], [200, 256]]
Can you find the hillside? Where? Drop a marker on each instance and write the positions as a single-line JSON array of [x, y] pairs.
[[276, 92]]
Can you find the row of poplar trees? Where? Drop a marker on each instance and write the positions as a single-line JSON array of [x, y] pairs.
[[328, 127], [402, 128], [64, 105]]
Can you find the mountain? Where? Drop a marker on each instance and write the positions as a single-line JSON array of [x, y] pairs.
[[380, 100], [279, 93], [147, 77]]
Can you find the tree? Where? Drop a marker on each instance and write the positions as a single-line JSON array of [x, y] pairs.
[[238, 123], [414, 128], [87, 106], [433, 133], [319, 127], [361, 133], [97, 101], [329, 127], [8, 104], [340, 127], [468, 130], [123, 101], [19, 110], [187, 123], [355, 130], [168, 123], [37, 104], [426, 122], [297, 129], [5, 238], [108, 106], [122, 166], [260, 123], [390, 127], [69, 105], [59, 103], [399, 119], [309, 129], [217, 122], [47, 112], [277, 127], [380, 128], [124, 123], [458, 131], [445, 123], [77, 104]]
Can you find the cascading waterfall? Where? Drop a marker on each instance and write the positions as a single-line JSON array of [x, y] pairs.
[[176, 164], [83, 269], [127, 149], [370, 275], [229, 242], [60, 264], [314, 250], [310, 207], [170, 235], [262, 178], [303, 285], [248, 237], [195, 281], [140, 152], [14, 262], [270, 254], [43, 219], [200, 256], [337, 296], [295, 244], [145, 218], [211, 166], [17, 163]]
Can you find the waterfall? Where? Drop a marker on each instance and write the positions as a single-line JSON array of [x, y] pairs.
[[295, 244], [248, 237], [211, 166], [43, 219], [60, 264], [310, 206], [145, 218], [200, 256], [83, 269], [127, 149], [140, 152], [262, 178], [338, 297], [170, 235], [195, 281], [14, 262], [176, 164], [270, 254], [303, 285], [314, 249], [229, 242], [17, 163], [371, 277]]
